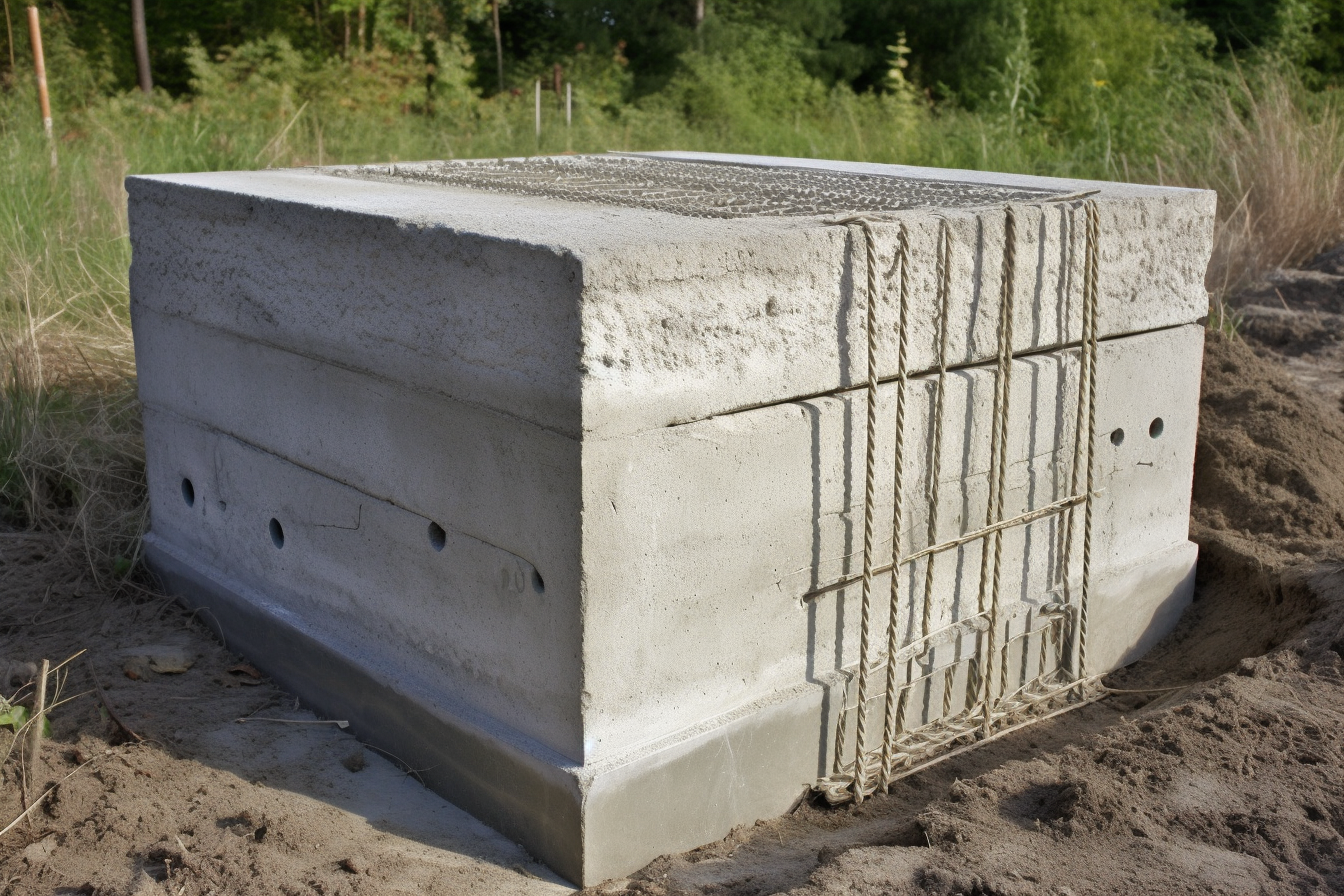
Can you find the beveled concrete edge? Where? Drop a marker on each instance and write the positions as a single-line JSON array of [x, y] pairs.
[[526, 798]]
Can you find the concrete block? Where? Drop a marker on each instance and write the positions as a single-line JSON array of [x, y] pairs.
[[555, 485]]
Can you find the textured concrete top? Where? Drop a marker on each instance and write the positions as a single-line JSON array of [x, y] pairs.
[[597, 296]]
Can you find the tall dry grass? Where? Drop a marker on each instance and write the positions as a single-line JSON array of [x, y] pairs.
[[71, 455], [1275, 155]]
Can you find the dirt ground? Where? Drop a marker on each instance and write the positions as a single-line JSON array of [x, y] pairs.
[[1216, 767]]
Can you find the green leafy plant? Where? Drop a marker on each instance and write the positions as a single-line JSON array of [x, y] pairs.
[[14, 716]]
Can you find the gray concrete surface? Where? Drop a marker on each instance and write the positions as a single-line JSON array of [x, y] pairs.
[[540, 491]]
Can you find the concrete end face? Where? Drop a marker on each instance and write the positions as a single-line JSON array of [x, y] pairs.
[[563, 499]]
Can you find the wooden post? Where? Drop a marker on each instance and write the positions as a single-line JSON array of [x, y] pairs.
[[499, 44], [569, 103], [538, 115], [141, 41], [40, 68], [9, 33]]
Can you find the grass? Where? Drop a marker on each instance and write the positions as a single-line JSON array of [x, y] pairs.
[[1276, 158], [71, 458]]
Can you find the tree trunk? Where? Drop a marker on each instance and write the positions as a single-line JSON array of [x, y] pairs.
[[360, 33], [345, 45], [699, 13], [499, 44], [141, 46]]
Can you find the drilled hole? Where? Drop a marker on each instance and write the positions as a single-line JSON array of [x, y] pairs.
[[1155, 428], [437, 537], [188, 492], [277, 533], [538, 583], [1117, 437]]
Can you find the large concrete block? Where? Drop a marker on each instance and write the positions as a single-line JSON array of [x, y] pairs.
[[549, 475]]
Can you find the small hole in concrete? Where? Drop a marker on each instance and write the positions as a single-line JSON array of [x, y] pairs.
[[1155, 428], [1117, 437], [437, 537], [277, 533], [538, 583], [188, 492]]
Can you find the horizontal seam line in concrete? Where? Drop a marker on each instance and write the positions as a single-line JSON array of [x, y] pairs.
[[381, 378], [951, 368]]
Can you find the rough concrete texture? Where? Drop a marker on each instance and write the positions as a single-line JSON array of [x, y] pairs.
[[559, 497], [403, 280]]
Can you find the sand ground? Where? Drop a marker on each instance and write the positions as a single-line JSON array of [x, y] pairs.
[[1217, 767]]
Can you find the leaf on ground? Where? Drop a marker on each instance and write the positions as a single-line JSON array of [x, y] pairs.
[[245, 673]]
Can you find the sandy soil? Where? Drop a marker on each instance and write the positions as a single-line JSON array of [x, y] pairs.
[[1217, 767]]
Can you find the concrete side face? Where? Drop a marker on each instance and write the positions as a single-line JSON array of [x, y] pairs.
[[441, 538], [730, 324], [700, 541], [755, 762], [393, 294], [464, 617], [531, 795]]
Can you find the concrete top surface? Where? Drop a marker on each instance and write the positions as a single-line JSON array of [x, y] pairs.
[[581, 303]]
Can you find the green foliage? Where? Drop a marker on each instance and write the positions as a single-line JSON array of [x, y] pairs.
[[14, 717]]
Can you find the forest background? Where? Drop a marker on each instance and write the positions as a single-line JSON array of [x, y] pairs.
[[1241, 96]]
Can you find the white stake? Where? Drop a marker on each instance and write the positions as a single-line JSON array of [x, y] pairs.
[[538, 110], [569, 103]]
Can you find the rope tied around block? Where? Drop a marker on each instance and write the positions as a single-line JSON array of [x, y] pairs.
[[989, 711], [870, 493], [1091, 301]]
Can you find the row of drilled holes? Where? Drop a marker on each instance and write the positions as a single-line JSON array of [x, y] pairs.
[[438, 537]]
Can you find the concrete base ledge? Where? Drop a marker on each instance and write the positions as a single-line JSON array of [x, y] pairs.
[[591, 823], [509, 788]]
